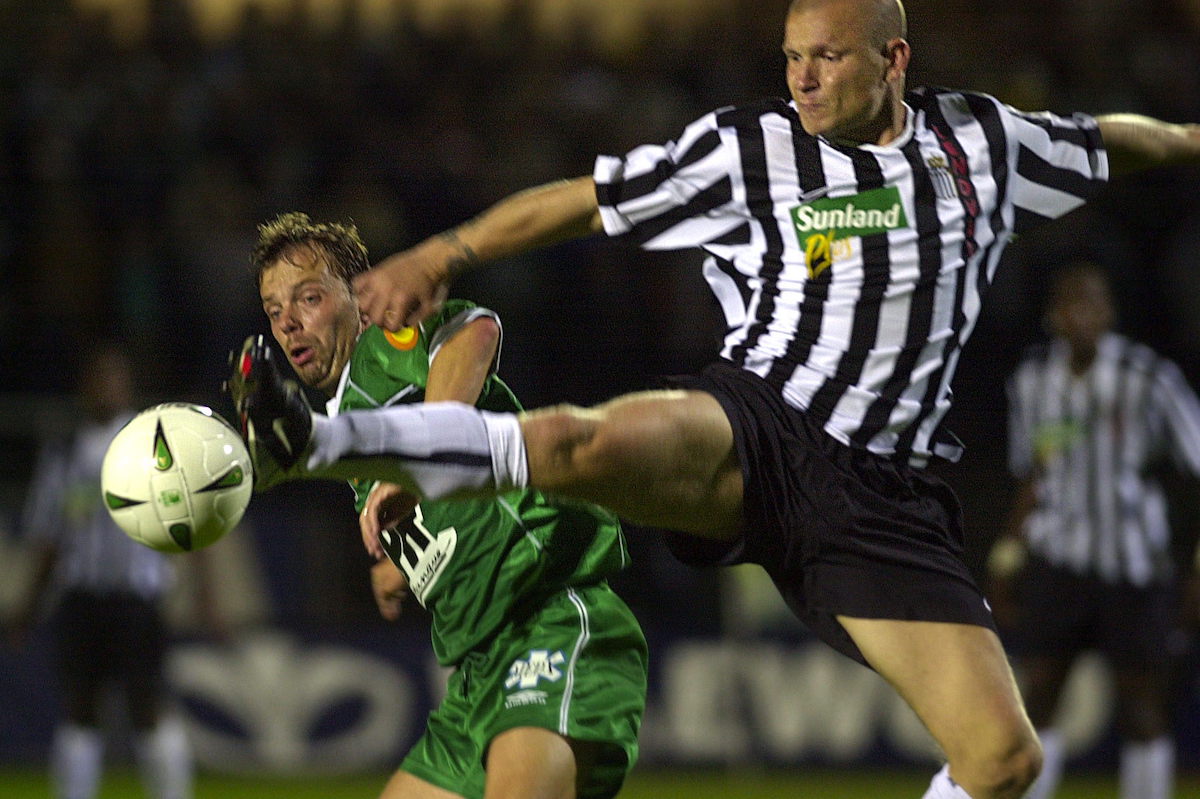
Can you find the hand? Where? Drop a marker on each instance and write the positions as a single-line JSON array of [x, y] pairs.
[[406, 288], [386, 505], [390, 587], [1004, 565]]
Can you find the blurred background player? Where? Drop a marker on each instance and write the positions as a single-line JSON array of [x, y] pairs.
[[108, 590], [550, 665], [1094, 420]]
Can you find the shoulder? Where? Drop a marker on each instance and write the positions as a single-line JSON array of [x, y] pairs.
[[1132, 354], [937, 103]]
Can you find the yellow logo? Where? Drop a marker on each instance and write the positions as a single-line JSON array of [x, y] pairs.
[[818, 253], [403, 339]]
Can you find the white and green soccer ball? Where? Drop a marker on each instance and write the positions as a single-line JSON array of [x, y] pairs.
[[177, 477]]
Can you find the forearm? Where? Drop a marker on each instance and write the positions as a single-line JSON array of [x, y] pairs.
[[521, 222], [1134, 142]]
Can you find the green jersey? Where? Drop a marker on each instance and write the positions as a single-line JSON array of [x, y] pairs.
[[476, 564]]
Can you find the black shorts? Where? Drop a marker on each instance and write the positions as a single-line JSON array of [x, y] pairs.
[[841, 531], [1063, 613], [111, 638]]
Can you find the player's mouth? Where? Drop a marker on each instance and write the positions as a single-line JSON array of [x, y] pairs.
[[301, 355]]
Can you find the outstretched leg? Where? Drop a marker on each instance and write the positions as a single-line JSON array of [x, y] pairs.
[[659, 458]]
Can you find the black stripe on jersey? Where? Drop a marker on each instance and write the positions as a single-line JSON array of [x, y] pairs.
[[920, 318], [988, 116], [1140, 406], [715, 196], [1113, 442], [1037, 169], [970, 205], [740, 281], [472, 460], [1087, 138], [1092, 452], [739, 235], [756, 180], [876, 265], [648, 183], [1025, 220], [811, 171]]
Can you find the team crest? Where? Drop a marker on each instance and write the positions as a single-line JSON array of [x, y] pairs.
[[824, 227], [939, 173], [542, 664]]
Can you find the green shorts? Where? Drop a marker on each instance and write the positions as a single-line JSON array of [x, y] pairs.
[[577, 667]]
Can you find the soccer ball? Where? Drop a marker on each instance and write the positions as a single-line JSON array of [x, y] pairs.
[[177, 477]]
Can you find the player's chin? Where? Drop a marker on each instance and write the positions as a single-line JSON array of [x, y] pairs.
[[314, 376], [814, 124]]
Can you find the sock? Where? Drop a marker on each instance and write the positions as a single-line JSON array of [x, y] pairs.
[[1053, 761], [510, 465], [942, 787], [439, 449], [165, 758], [75, 761], [1148, 769]]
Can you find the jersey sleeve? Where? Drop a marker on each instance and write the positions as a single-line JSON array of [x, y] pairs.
[[1180, 411], [1058, 163], [454, 317], [675, 195]]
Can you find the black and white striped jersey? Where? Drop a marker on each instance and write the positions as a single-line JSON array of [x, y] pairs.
[[64, 508], [850, 277], [1092, 444]]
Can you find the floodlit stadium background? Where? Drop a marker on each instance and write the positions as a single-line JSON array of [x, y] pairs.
[[144, 139]]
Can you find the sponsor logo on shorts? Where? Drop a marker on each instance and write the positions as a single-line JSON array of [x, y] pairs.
[[542, 664], [523, 698]]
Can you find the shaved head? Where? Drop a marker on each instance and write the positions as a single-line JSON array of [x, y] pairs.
[[885, 19]]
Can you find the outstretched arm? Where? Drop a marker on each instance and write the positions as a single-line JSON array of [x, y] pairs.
[[407, 287], [1136, 142], [457, 374]]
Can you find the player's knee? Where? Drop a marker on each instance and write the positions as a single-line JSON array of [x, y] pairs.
[[561, 443], [578, 441], [1007, 771]]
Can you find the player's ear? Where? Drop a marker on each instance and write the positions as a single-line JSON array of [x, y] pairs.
[[898, 53]]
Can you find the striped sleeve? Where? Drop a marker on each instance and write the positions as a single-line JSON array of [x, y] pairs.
[[672, 196], [1180, 410], [1058, 164]]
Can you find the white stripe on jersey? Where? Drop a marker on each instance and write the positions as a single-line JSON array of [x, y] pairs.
[[856, 318], [1092, 444]]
